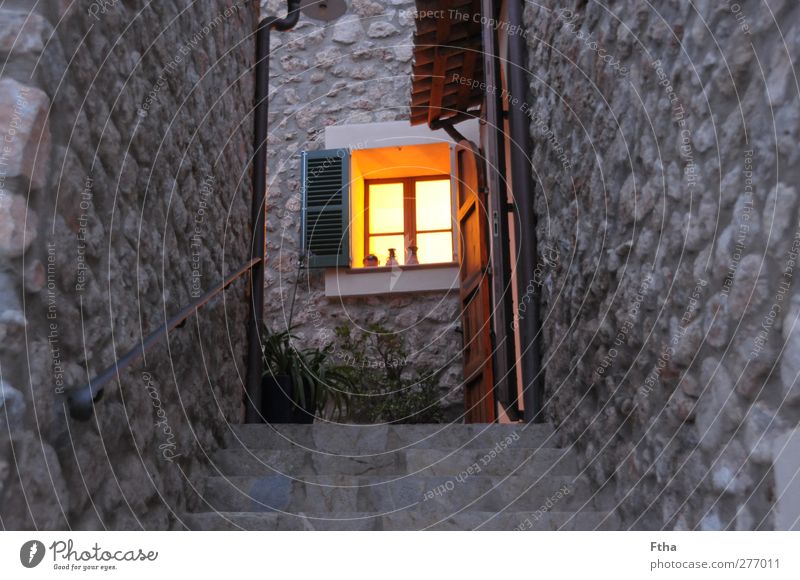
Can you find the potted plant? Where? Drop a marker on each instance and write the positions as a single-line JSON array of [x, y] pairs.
[[298, 384], [277, 384], [385, 385]]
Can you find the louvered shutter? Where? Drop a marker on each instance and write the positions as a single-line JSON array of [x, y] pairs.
[[326, 213]]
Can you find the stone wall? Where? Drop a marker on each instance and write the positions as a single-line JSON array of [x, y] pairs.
[[354, 70], [666, 156], [124, 195]]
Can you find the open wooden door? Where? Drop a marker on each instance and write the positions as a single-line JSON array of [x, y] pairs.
[[475, 290]]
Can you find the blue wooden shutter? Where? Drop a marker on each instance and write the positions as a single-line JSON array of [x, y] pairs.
[[326, 208]]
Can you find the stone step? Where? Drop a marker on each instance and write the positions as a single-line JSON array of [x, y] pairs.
[[416, 519], [338, 494], [359, 440], [429, 462]]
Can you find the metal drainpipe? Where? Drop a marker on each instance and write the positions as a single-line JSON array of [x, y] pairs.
[[522, 182], [255, 366]]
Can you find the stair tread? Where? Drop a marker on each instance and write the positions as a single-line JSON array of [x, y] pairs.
[[360, 481], [365, 439], [403, 520], [394, 477], [302, 462], [342, 493]]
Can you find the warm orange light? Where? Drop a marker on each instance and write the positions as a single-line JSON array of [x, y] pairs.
[[385, 208], [435, 248], [433, 212], [379, 245], [433, 205], [402, 197]]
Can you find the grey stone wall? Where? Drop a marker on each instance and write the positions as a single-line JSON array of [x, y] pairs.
[[666, 154], [354, 70], [124, 194]]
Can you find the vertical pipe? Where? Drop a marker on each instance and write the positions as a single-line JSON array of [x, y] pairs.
[[257, 250], [522, 179], [255, 366]]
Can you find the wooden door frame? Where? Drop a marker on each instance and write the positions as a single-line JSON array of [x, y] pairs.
[[475, 286]]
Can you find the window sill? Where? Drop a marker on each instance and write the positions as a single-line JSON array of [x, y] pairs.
[[340, 282], [373, 269]]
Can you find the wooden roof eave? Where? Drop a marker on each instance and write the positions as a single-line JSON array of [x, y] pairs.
[[444, 48]]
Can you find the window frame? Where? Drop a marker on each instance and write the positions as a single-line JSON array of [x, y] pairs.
[[410, 231]]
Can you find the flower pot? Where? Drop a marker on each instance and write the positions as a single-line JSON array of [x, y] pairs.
[[277, 405], [301, 415], [277, 401]]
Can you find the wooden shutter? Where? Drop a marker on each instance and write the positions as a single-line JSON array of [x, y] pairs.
[[475, 287], [326, 208]]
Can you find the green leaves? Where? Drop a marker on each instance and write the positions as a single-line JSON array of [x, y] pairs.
[[363, 377], [317, 385], [386, 385]]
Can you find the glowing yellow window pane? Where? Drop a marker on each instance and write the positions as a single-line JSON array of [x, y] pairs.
[[379, 245], [434, 248], [433, 205], [385, 208]]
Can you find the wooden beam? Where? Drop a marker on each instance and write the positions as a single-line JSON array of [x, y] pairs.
[[437, 88], [439, 63], [464, 89]]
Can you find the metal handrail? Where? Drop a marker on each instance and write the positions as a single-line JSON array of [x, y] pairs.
[[81, 400]]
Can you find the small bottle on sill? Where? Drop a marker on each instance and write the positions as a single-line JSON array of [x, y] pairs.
[[392, 261], [412, 255]]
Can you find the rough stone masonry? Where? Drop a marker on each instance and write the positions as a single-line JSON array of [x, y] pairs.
[[671, 334], [125, 138]]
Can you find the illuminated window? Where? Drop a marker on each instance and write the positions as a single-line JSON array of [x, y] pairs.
[[411, 211]]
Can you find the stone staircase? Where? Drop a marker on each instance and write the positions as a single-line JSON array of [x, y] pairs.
[[394, 477]]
